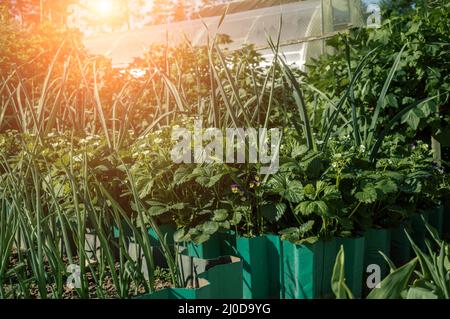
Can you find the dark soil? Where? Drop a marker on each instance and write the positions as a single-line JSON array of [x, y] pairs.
[[18, 284]]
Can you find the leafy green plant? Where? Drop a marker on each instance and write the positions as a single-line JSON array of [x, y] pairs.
[[415, 31], [427, 276], [85, 150]]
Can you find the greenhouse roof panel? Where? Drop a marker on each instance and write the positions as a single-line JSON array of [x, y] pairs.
[[300, 20]]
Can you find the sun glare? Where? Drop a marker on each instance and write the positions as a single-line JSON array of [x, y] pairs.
[[103, 7]]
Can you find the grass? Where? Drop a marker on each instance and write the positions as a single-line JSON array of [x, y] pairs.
[[50, 207], [45, 228]]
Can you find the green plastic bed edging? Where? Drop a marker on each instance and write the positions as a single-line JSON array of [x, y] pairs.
[[436, 219], [302, 270], [377, 240], [275, 264], [219, 244], [261, 258], [400, 245], [418, 229], [221, 281], [135, 250], [167, 230], [446, 228]]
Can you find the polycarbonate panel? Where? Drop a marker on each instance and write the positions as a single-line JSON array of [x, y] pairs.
[[301, 21], [341, 13]]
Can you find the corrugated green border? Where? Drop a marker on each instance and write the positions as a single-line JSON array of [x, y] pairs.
[[436, 219], [400, 245], [222, 281], [302, 270], [418, 229], [262, 268]]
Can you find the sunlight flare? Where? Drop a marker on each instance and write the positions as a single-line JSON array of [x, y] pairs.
[[104, 8]]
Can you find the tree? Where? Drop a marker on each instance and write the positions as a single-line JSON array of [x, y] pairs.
[[33, 12], [179, 11], [397, 6], [161, 11], [139, 13], [56, 11], [26, 10]]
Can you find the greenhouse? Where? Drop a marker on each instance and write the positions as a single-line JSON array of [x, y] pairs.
[[224, 150]]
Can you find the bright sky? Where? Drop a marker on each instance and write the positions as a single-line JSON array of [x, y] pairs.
[[103, 9]]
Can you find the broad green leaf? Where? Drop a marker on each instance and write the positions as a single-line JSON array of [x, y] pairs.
[[331, 193], [179, 235], [338, 285], [303, 208], [273, 212], [157, 210], [391, 264], [420, 293], [210, 227], [367, 196], [200, 238], [320, 208], [413, 118], [299, 150], [312, 207], [220, 215], [387, 186], [202, 180], [177, 206], [394, 283], [425, 261], [306, 227], [293, 192], [447, 262], [432, 231], [214, 180], [291, 230], [391, 100], [309, 190], [237, 217], [182, 175], [225, 225], [309, 240]]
